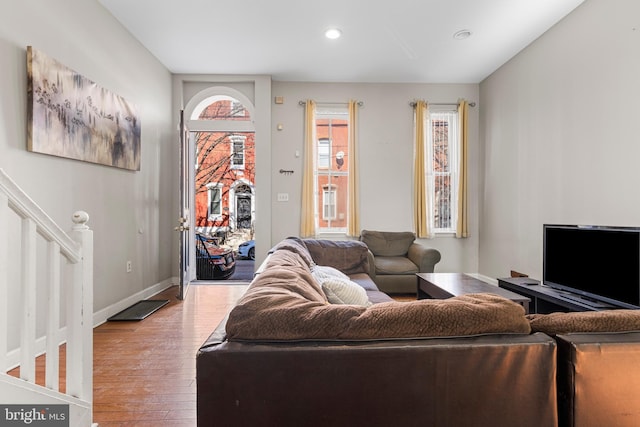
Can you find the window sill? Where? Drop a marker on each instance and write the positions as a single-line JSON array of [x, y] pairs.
[[333, 234]]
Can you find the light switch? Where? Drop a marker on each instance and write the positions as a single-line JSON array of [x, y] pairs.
[[283, 197]]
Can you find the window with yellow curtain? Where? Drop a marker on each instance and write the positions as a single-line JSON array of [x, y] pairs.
[[332, 168], [443, 167]]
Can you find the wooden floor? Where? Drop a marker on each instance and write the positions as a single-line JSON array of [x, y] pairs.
[[144, 371]]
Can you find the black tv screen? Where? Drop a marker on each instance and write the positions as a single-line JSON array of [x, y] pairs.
[[598, 262]]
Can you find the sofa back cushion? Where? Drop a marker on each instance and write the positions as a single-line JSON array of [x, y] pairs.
[[273, 310], [294, 245], [586, 321], [348, 256], [388, 243]]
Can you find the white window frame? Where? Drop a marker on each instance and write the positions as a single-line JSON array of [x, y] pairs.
[[211, 187], [332, 112], [324, 153], [237, 139], [449, 113], [329, 202]]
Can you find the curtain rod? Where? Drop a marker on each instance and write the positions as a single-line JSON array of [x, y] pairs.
[[471, 104], [360, 103]]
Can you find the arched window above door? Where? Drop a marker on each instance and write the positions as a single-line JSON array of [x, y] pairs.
[[219, 105], [222, 107]]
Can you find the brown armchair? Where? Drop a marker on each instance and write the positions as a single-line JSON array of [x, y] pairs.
[[397, 259]]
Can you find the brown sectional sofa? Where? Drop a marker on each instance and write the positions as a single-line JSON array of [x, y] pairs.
[[599, 379], [285, 356]]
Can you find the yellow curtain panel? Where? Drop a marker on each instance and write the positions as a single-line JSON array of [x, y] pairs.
[[462, 224], [420, 193], [307, 220], [353, 216]]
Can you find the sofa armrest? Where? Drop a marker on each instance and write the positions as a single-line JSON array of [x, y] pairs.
[[598, 379], [372, 265], [425, 258]]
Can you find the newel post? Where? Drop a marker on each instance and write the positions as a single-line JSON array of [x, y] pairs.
[[80, 316]]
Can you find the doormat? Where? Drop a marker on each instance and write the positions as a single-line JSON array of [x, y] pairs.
[[140, 310]]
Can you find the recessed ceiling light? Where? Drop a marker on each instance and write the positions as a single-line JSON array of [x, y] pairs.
[[462, 34], [333, 33]]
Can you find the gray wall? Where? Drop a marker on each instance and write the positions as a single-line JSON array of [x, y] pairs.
[[132, 213], [386, 158], [560, 130], [556, 142]]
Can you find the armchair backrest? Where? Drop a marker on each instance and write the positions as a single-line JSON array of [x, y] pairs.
[[388, 243]]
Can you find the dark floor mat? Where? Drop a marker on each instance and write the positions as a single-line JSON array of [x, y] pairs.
[[140, 310]]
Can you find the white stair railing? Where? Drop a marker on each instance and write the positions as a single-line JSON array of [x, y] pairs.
[[66, 277]]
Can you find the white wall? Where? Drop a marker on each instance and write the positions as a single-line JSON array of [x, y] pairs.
[[386, 158], [561, 135], [132, 213]]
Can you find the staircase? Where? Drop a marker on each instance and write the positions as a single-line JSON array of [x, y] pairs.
[[46, 299]]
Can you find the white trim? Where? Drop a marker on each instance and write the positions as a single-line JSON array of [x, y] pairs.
[[207, 96], [210, 186], [260, 89]]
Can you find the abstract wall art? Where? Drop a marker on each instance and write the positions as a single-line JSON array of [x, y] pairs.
[[70, 116]]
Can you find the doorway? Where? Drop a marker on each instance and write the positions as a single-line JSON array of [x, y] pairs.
[[223, 187]]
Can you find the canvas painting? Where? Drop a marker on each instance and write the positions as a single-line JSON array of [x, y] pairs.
[[71, 116]]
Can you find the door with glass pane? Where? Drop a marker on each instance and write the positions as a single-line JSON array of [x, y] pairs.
[[186, 212]]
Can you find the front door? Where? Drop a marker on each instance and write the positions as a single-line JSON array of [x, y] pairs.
[[243, 210], [185, 212]]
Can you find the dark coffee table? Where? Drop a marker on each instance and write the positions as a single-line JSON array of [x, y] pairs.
[[447, 285]]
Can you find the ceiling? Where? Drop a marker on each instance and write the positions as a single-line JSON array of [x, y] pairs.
[[382, 41]]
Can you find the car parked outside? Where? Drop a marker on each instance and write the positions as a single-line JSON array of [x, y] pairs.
[[247, 249], [213, 262]]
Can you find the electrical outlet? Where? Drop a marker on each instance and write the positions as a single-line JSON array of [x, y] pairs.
[[128, 266]]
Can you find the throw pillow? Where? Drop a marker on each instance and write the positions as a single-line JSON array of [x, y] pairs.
[[320, 272], [340, 291]]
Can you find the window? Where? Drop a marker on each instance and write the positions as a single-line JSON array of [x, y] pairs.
[[331, 169], [237, 151], [237, 109], [324, 152], [442, 168], [328, 203], [215, 198]]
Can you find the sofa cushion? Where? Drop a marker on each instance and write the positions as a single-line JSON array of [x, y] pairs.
[[348, 256], [388, 243], [365, 281], [586, 321], [395, 265], [266, 313]]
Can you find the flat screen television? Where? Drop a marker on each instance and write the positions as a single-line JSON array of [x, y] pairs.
[[596, 262]]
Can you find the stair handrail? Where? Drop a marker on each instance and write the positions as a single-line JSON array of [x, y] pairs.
[[77, 247]]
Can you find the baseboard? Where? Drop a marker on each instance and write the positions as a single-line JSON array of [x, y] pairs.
[[100, 317]]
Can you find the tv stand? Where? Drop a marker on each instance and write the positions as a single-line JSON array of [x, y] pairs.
[[548, 300]]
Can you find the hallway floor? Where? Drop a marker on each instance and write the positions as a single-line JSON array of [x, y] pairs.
[[144, 371]]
